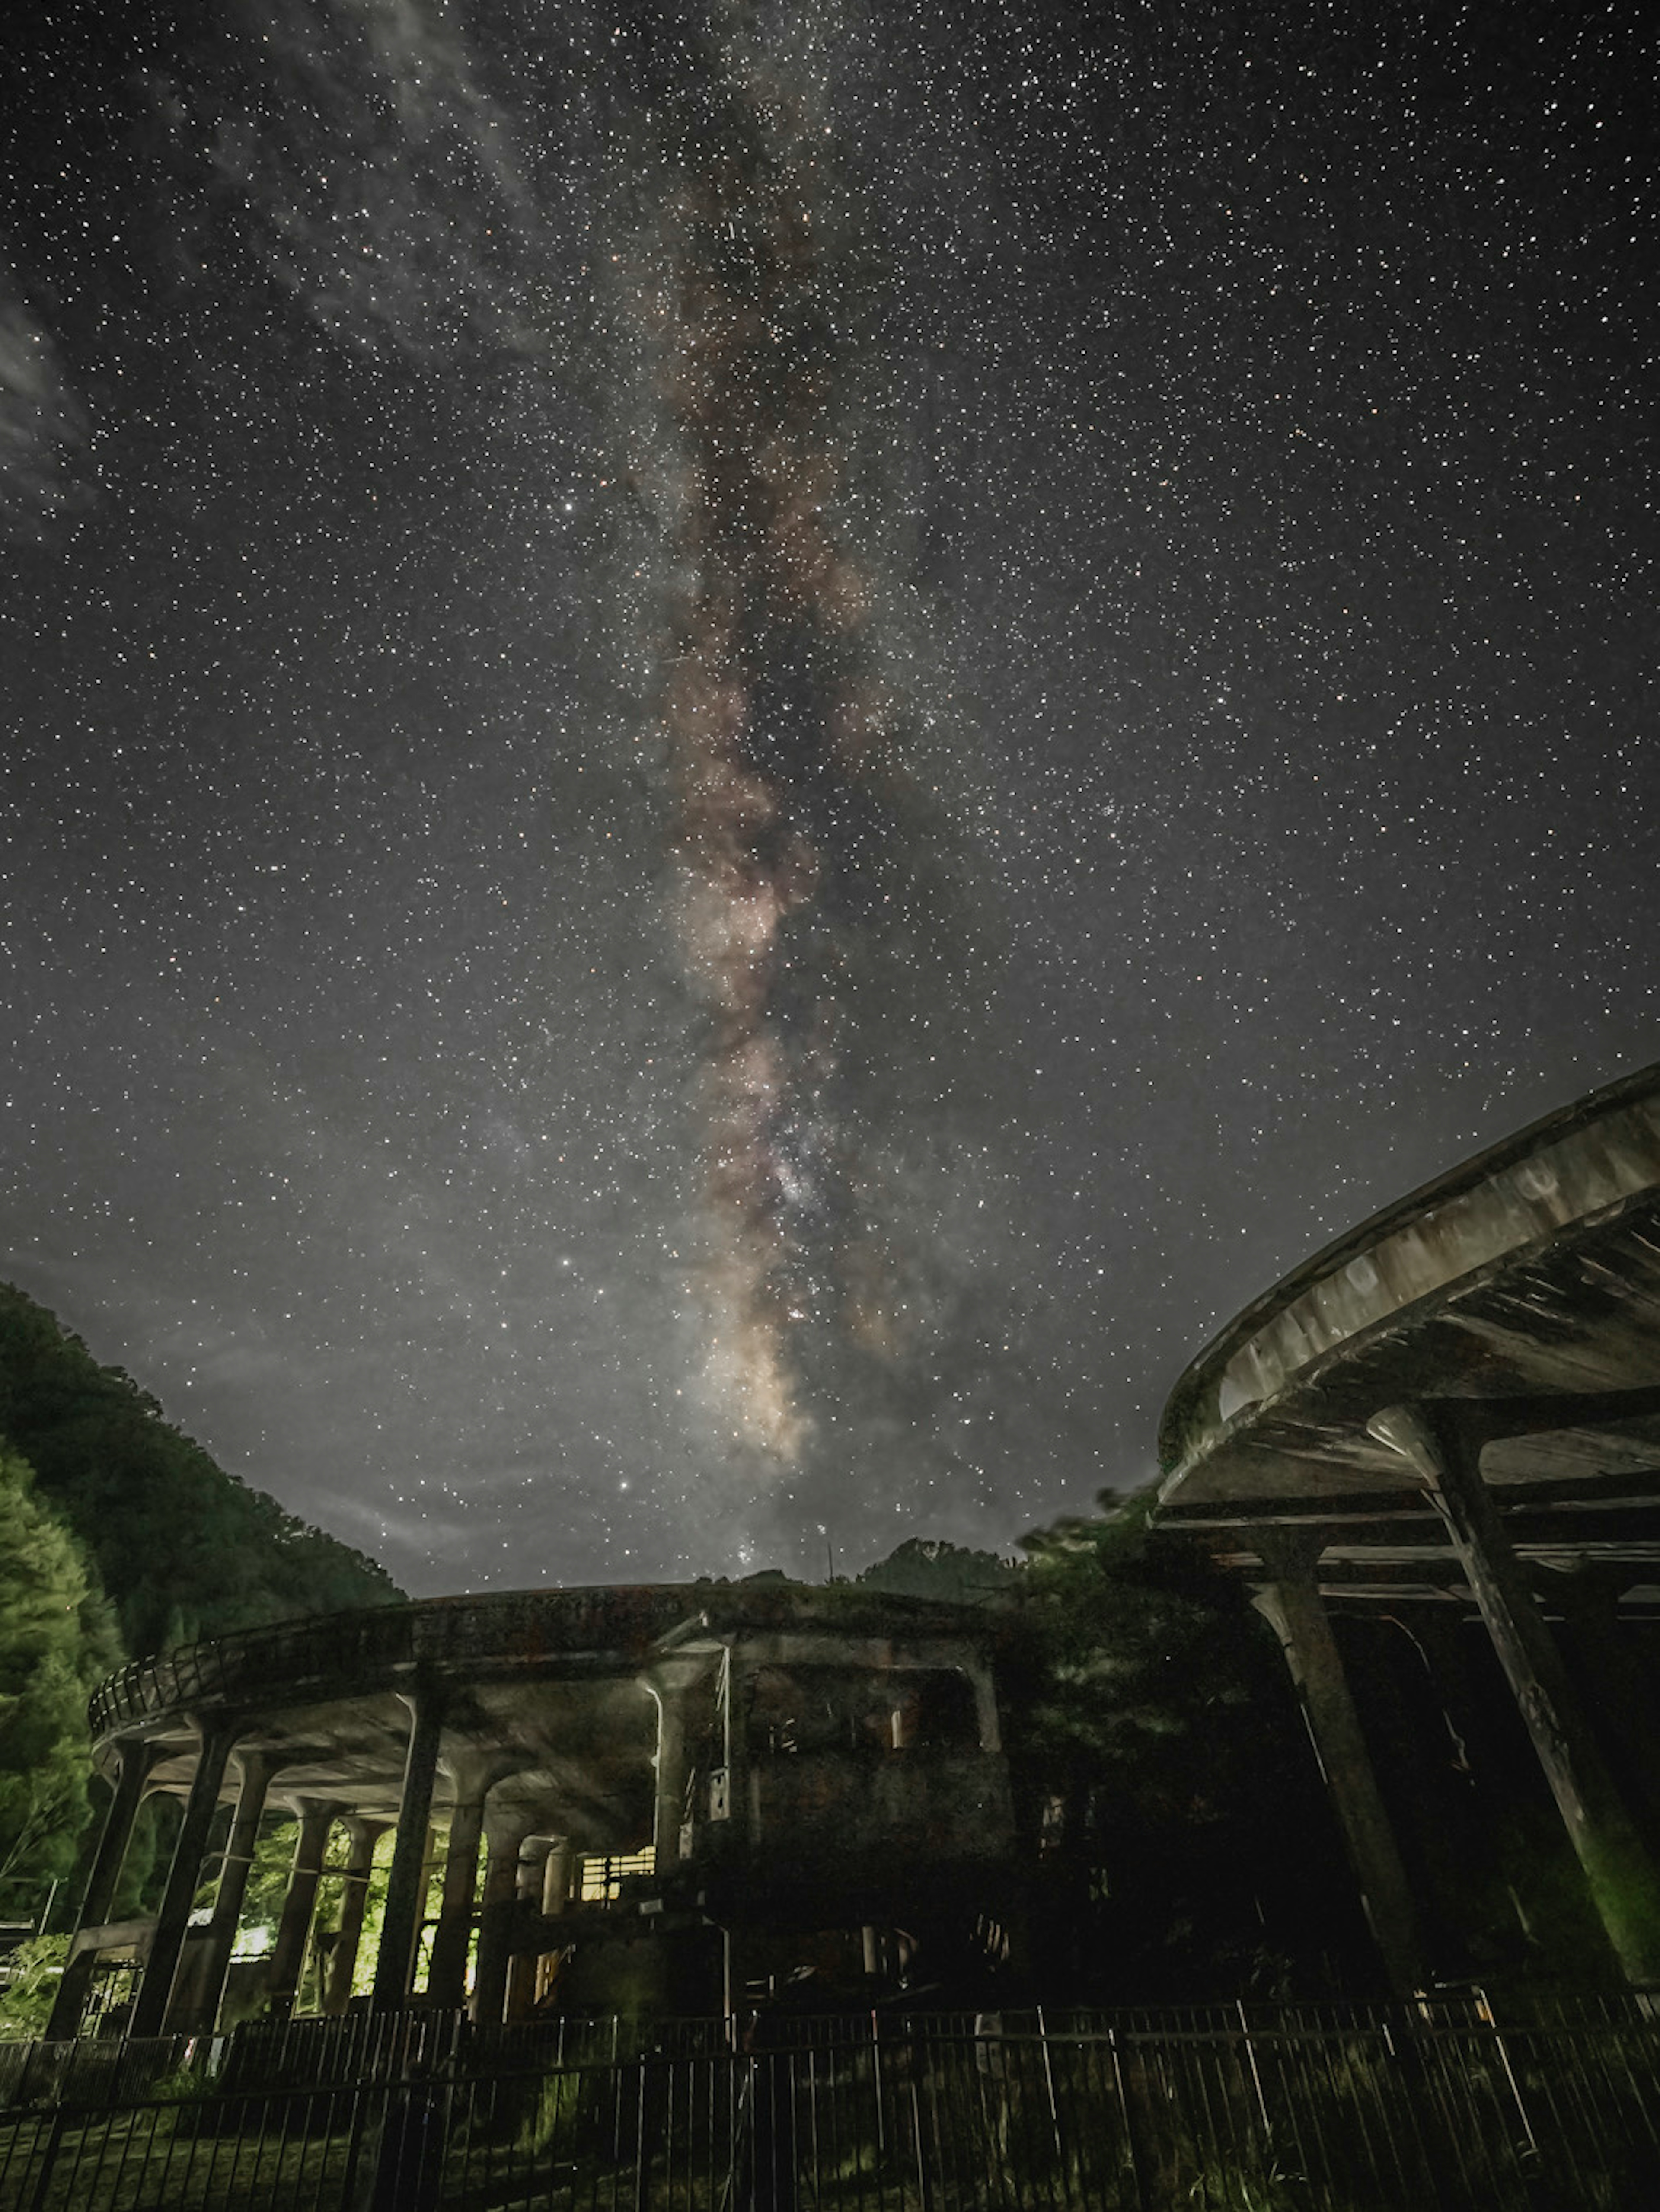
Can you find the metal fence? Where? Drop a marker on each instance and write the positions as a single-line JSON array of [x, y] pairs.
[[1437, 2109]]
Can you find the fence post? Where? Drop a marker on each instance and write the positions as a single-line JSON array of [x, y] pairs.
[[48, 2162], [1122, 2089], [1256, 2078], [1048, 2084], [922, 2163], [639, 2144], [1486, 2012], [409, 2171]]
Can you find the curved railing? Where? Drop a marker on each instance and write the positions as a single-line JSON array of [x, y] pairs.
[[344, 1652], [1573, 1164]]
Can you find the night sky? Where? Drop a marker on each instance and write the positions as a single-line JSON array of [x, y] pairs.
[[748, 749]]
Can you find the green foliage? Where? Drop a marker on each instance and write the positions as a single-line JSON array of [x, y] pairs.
[[116, 1529], [272, 1864], [927, 1566], [30, 1975], [183, 1549], [56, 1639], [1145, 1648], [1187, 1838]]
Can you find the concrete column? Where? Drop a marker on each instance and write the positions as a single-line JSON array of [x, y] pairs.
[[734, 1748], [135, 1760], [556, 1871], [557, 1868], [525, 1967], [149, 2011], [315, 1816], [1291, 1601], [985, 1705], [406, 1885], [506, 1831], [1443, 1445], [474, 1777], [670, 1694], [363, 1835], [254, 1770]]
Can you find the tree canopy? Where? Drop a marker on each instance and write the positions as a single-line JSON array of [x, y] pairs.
[[56, 1637], [1187, 1843], [929, 1567], [182, 1548]]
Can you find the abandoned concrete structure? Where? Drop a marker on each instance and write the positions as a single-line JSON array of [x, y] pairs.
[[611, 1794], [1455, 1408]]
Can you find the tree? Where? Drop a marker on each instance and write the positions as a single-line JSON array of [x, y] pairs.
[[56, 1639], [183, 1549], [1188, 1847], [121, 1506], [929, 1567]]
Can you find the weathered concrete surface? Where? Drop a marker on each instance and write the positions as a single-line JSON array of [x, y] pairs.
[[1534, 1268], [816, 1753], [1483, 1355]]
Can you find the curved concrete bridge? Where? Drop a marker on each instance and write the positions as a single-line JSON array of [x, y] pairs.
[[768, 1757], [1457, 1401]]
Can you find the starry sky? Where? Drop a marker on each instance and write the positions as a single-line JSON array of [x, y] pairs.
[[749, 747]]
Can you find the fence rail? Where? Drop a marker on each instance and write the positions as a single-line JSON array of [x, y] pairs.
[[1388, 2110]]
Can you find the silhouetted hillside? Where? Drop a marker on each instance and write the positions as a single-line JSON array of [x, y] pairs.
[[182, 1548]]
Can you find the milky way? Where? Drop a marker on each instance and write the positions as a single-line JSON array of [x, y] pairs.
[[798, 828], [749, 747]]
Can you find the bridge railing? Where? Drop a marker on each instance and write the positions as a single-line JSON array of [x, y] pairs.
[[347, 1651]]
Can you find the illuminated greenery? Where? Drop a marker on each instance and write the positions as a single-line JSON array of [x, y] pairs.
[[116, 1530], [56, 1639], [32, 1971]]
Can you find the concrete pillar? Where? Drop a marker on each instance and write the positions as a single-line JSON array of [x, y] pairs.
[[734, 1747], [149, 2011], [315, 1816], [1290, 1601], [985, 1705], [557, 1867], [556, 1871], [135, 1759], [254, 1770], [363, 1837], [669, 1692], [406, 1885], [474, 1777], [505, 1831], [524, 1967], [1444, 1446]]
